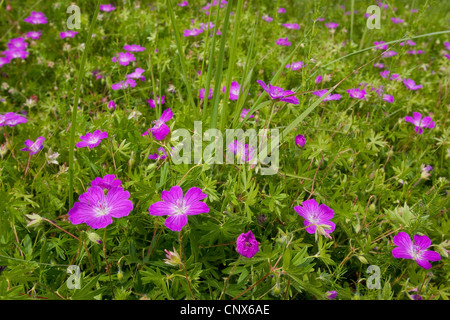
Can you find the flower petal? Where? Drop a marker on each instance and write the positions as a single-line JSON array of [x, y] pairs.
[[173, 196], [422, 241], [176, 222], [402, 240], [117, 200], [161, 208], [193, 195], [401, 253], [431, 255]]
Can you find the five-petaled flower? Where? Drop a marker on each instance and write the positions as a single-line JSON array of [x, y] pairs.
[[160, 128], [124, 58], [234, 90], [317, 218], [417, 250], [178, 208], [92, 140], [34, 147], [97, 209], [411, 85], [277, 93], [107, 182], [159, 100], [247, 245], [300, 140], [420, 123], [283, 42]]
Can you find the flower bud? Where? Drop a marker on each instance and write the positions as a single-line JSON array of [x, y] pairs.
[[94, 237], [35, 219], [173, 258]]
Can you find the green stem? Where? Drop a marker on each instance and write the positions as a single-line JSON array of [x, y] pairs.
[[76, 99]]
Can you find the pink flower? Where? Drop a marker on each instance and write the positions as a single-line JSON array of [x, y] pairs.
[[320, 93], [379, 65], [407, 42], [417, 250], [384, 74], [244, 114], [244, 152], [107, 182], [411, 85], [17, 44], [36, 18], [107, 7], [318, 79], [300, 140], [97, 210], [4, 60], [420, 123], [201, 95], [15, 54], [160, 129], [331, 25], [178, 208], [295, 65], [281, 10], [380, 45], [34, 147], [137, 74], [192, 33], [389, 54], [159, 100], [388, 98], [266, 18], [277, 93], [283, 42], [35, 35], [357, 93], [111, 105], [68, 34], [395, 77], [246, 244], [161, 156], [234, 90], [133, 48], [397, 20], [92, 140], [294, 26], [331, 295], [124, 58], [124, 84], [11, 119], [183, 4], [316, 216]]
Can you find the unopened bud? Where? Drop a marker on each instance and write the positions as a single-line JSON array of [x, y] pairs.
[[173, 258], [35, 219]]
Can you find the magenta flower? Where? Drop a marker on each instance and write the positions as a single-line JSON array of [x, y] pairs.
[[183, 4], [68, 34], [244, 152], [319, 79], [160, 129], [11, 119], [92, 140], [178, 208], [35, 35], [331, 25], [447, 45], [395, 77], [417, 250], [4, 60], [107, 7], [159, 100], [34, 147], [379, 65], [420, 123], [331, 295], [295, 65], [206, 26], [160, 155], [133, 48], [17, 44], [201, 94], [294, 26], [300, 140], [97, 210], [388, 98], [244, 114], [192, 33], [124, 58], [411, 85], [111, 105], [137, 74], [380, 45], [397, 20], [316, 216], [407, 42], [283, 42], [15, 54], [234, 90], [277, 93], [267, 18], [246, 244], [36, 18], [389, 54], [357, 93], [124, 84], [416, 52], [281, 10], [385, 73], [107, 182]]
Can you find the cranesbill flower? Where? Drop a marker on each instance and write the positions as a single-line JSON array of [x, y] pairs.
[[384, 74], [331, 25], [277, 93], [420, 123], [395, 77], [447, 45], [389, 54], [160, 155], [68, 34], [380, 45], [388, 98], [111, 105], [201, 94], [411, 85], [92, 140], [294, 26], [416, 52], [11, 119], [397, 20], [133, 48], [300, 140], [316, 217], [192, 33], [407, 42], [137, 74], [16, 54], [183, 4], [357, 93], [4, 60], [244, 114], [331, 295], [34, 147], [159, 100], [319, 79], [335, 96], [281, 10], [17, 44], [246, 244], [124, 58], [35, 35], [160, 128], [379, 65], [97, 209], [283, 42], [295, 65], [417, 250], [124, 84], [36, 18], [178, 208], [234, 90], [267, 18], [108, 182], [244, 152], [107, 7], [206, 26]]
